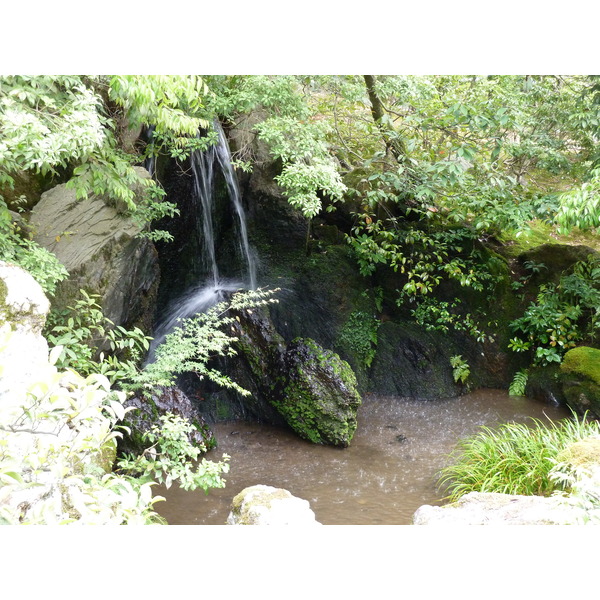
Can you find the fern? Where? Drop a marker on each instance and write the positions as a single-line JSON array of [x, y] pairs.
[[519, 383]]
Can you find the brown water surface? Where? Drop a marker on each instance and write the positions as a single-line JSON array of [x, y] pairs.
[[381, 479]]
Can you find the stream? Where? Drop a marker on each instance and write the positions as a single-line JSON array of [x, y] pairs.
[[388, 471]]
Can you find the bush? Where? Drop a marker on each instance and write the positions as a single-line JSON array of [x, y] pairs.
[[58, 444], [513, 459]]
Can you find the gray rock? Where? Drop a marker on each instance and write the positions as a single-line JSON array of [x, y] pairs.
[[266, 505], [23, 310], [478, 508], [101, 250]]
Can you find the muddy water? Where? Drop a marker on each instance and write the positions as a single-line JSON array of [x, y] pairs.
[[382, 478]]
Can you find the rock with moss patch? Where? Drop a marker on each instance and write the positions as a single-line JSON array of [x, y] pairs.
[[266, 505], [584, 453], [311, 388], [580, 377]]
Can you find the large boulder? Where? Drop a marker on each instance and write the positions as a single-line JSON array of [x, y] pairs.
[[319, 398], [580, 378], [312, 388], [23, 311], [102, 250], [266, 505]]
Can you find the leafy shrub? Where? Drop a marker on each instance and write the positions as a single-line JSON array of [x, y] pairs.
[[195, 341], [512, 459], [561, 315], [79, 331], [359, 334], [170, 457], [57, 442], [57, 446]]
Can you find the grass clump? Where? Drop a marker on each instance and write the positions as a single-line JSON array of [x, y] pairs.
[[514, 458]]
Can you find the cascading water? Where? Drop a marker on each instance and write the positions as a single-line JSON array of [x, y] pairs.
[[212, 290]]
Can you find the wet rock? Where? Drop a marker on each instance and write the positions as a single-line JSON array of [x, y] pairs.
[[580, 378], [412, 362], [312, 388], [266, 505], [319, 398], [148, 410], [101, 249]]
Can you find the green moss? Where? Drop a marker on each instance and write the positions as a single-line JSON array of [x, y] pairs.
[[539, 233], [582, 361], [580, 378], [584, 453]]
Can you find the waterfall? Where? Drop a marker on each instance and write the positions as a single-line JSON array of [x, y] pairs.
[[224, 158], [206, 293]]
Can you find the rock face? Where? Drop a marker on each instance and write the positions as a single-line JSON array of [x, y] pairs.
[[23, 310], [266, 505], [580, 377], [477, 508], [99, 248]]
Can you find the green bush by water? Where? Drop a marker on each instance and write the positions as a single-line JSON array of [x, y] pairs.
[[512, 459]]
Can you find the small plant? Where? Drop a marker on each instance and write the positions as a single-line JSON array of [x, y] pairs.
[[460, 368], [359, 335]]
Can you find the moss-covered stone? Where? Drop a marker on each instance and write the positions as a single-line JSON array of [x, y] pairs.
[[319, 399], [580, 376], [584, 453]]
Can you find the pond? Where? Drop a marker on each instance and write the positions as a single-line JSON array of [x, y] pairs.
[[388, 471]]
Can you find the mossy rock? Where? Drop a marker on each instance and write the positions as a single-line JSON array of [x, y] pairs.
[[319, 399], [540, 233], [583, 453], [580, 376]]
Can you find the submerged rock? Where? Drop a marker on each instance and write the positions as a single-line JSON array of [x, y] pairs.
[[266, 505]]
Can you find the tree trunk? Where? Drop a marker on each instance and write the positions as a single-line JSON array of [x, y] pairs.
[[393, 144]]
